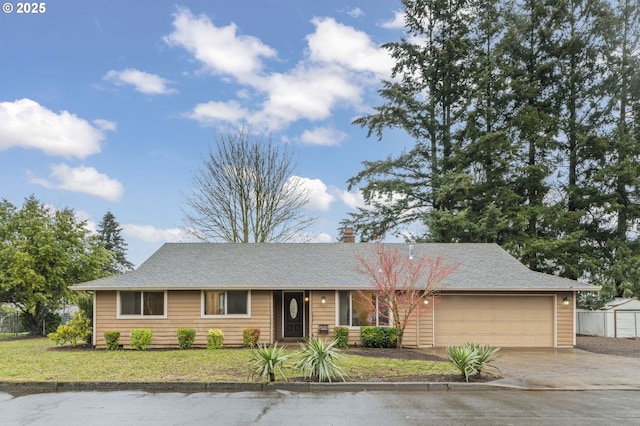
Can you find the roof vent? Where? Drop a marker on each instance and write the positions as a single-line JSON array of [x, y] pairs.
[[410, 251]]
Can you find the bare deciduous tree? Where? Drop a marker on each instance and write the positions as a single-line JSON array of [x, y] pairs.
[[245, 193], [401, 283]]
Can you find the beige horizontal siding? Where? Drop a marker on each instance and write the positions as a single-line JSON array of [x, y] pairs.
[[323, 313], [183, 311], [565, 316]]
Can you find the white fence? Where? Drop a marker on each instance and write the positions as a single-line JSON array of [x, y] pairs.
[[624, 324]]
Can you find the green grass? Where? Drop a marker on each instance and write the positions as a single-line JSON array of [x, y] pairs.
[[4, 336], [37, 359]]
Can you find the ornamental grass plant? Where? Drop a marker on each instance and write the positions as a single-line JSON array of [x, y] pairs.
[[267, 360], [319, 360], [472, 358]]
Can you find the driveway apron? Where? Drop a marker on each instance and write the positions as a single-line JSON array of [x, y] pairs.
[[567, 369]]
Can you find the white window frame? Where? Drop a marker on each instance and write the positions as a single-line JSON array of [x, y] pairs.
[[142, 315], [203, 304], [351, 292]]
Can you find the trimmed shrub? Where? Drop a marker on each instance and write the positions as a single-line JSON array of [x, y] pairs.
[[389, 337], [113, 340], [215, 339], [319, 360], [251, 336], [73, 331], [342, 336], [378, 337], [186, 337], [268, 360], [141, 338]]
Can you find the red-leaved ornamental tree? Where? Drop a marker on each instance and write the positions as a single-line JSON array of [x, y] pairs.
[[401, 282]]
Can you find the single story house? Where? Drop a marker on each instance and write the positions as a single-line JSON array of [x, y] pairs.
[[293, 291]]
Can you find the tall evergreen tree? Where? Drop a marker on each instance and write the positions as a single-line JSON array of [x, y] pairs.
[[425, 99], [529, 63], [578, 48], [619, 176], [535, 145], [480, 196], [109, 233]]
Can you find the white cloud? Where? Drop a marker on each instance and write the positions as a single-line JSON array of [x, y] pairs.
[[152, 234], [396, 23], [305, 93], [27, 124], [144, 82], [353, 200], [83, 216], [311, 237], [210, 112], [324, 136], [82, 179], [319, 198], [220, 49], [339, 63], [355, 12], [323, 237], [105, 125], [333, 42]]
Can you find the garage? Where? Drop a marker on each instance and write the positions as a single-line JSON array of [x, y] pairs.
[[504, 321]]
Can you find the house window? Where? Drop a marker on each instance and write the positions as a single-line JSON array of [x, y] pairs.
[[142, 303], [356, 309], [226, 302]]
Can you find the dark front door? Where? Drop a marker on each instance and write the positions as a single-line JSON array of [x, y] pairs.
[[293, 307]]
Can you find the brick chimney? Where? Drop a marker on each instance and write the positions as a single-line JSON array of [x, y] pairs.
[[348, 236]]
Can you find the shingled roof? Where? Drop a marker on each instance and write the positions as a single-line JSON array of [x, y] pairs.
[[184, 266]]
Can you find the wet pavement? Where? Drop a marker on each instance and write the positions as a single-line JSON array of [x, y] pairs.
[[486, 407], [564, 369]]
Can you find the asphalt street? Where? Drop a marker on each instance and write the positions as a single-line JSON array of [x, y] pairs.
[[486, 407]]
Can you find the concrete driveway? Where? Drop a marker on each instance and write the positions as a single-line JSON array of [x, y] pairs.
[[567, 369]]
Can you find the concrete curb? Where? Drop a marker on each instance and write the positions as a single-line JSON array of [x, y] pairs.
[[196, 387], [25, 388]]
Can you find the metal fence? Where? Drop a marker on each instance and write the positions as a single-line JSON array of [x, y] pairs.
[[623, 324], [9, 323]]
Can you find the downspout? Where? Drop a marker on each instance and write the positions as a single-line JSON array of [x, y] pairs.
[[575, 316], [95, 319]]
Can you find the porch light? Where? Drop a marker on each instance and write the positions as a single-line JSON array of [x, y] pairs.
[[425, 301], [565, 301], [323, 300], [306, 298]]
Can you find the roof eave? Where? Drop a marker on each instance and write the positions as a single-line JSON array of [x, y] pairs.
[[314, 288], [521, 289]]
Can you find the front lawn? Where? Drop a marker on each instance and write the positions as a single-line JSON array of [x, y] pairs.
[[37, 359], [4, 336]]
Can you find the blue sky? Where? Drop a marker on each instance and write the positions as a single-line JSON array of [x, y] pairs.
[[110, 104]]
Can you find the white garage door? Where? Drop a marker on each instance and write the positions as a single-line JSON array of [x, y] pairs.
[[504, 321]]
